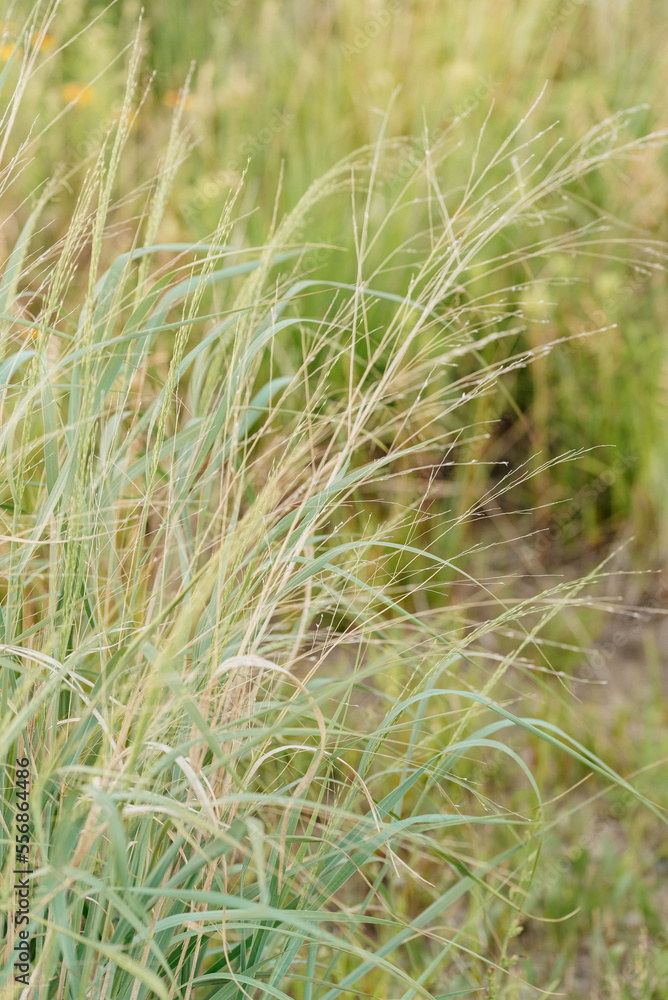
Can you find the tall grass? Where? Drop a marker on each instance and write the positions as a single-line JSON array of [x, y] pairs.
[[296, 86], [251, 703]]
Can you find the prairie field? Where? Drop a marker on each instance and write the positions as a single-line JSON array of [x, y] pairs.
[[333, 518]]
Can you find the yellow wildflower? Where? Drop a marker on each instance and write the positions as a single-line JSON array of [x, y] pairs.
[[43, 42], [172, 98], [127, 119], [78, 92], [6, 51]]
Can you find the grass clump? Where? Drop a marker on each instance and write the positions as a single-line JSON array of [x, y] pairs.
[[269, 747]]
